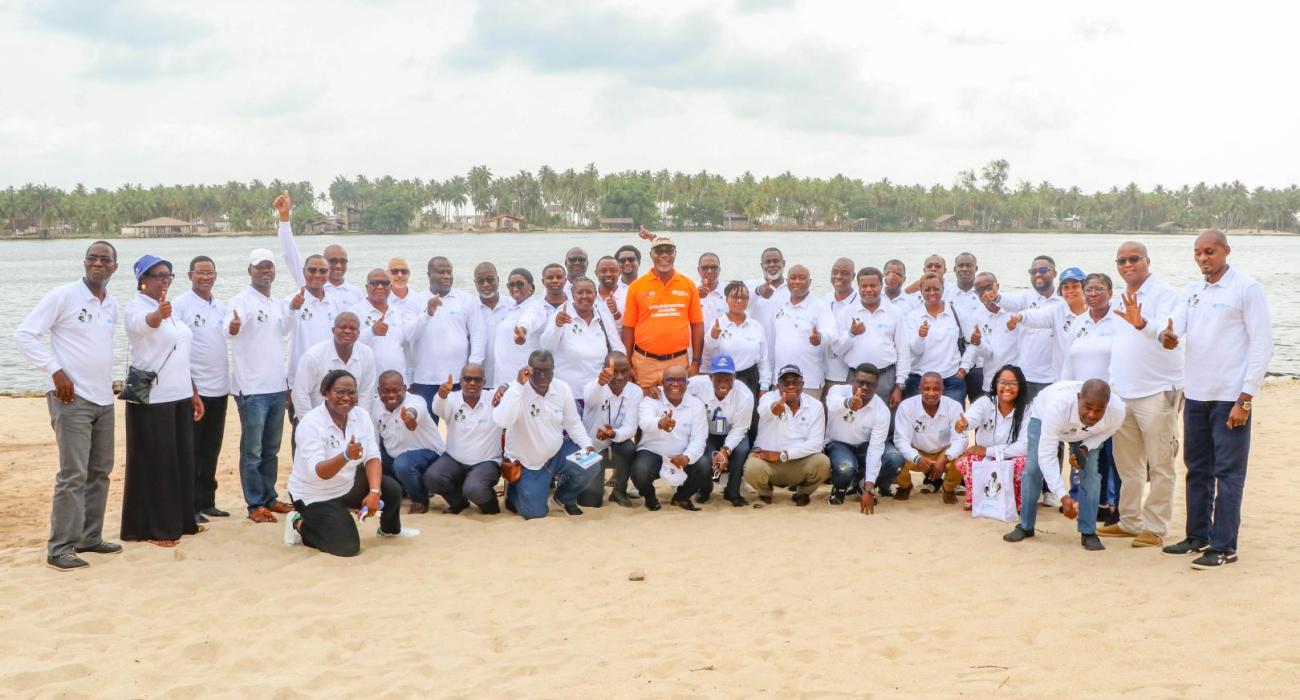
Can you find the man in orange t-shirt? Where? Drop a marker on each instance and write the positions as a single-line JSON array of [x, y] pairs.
[[662, 320]]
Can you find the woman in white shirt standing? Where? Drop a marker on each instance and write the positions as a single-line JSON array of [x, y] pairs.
[[581, 336], [158, 491], [334, 439], [742, 337], [518, 333], [1001, 427], [936, 342]]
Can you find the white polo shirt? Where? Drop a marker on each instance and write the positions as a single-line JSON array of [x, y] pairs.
[[580, 347], [993, 429], [1088, 355], [885, 341], [448, 339], [937, 351], [1139, 366], [314, 322], [389, 350], [398, 439], [764, 309], [1057, 409], [319, 360], [1228, 333], [165, 349], [792, 324], [915, 430], [601, 407], [492, 318], [688, 437], [472, 436], [869, 424], [745, 342], [535, 424], [209, 357], [81, 339], [1041, 352], [836, 369], [712, 305], [258, 351], [797, 433], [345, 295], [510, 358], [730, 416], [998, 346], [319, 439]]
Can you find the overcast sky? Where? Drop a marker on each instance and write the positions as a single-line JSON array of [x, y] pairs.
[[1096, 94]]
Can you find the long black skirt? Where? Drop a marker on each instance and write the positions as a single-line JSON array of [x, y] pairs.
[[158, 494]]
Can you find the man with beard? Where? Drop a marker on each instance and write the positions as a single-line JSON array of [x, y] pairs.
[[844, 293], [800, 331], [875, 332], [1040, 358], [770, 292], [492, 307], [712, 301], [610, 291], [450, 331]]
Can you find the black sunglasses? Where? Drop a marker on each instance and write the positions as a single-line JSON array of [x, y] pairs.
[[378, 283], [1130, 260]]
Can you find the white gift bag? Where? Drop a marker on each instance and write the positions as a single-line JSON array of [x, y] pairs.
[[993, 487], [671, 474]]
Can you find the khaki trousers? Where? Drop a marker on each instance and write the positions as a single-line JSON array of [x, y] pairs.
[[1145, 447], [808, 473], [649, 371], [951, 475]]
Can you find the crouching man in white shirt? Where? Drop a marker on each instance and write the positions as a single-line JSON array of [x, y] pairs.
[[334, 439], [729, 410], [857, 427], [925, 433], [610, 407], [1083, 415], [791, 434], [536, 410], [468, 471], [409, 439], [673, 436]]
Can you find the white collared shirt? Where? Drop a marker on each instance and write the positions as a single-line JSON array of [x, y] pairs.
[[389, 349], [81, 339], [448, 339], [762, 310], [937, 351], [209, 356], [1227, 329], [319, 439], [712, 305], [745, 342], [998, 346], [1041, 352], [492, 318], [869, 424], [1088, 354], [885, 341], [580, 347], [344, 296], [688, 437], [601, 407], [165, 349], [916, 431], [993, 430], [406, 303], [1139, 366], [535, 424], [472, 435], [319, 360], [797, 433], [258, 350], [792, 324], [903, 302], [510, 358], [620, 303], [314, 322], [730, 416], [396, 438], [1057, 408], [836, 369]]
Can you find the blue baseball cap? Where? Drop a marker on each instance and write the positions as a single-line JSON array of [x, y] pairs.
[[723, 364], [145, 263], [1071, 273]]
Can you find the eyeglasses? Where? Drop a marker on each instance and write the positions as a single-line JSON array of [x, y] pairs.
[[378, 283], [344, 392], [710, 268], [318, 270], [161, 276], [337, 261], [542, 372], [674, 380], [485, 280], [576, 259], [105, 259], [663, 250], [465, 379], [1095, 290], [982, 290], [398, 271], [1130, 260], [1041, 270], [628, 259], [516, 285], [1008, 382]]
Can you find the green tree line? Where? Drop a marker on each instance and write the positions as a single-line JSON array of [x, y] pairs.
[[985, 199]]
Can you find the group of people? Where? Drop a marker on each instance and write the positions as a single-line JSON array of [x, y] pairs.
[[395, 392]]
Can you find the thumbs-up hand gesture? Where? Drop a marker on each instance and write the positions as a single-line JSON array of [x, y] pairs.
[[976, 335], [1168, 338], [990, 300], [962, 424], [716, 330], [924, 330], [524, 374], [1014, 321], [766, 290], [408, 418], [434, 302], [612, 304], [1132, 311], [815, 338], [282, 204], [667, 423], [562, 317], [381, 325], [778, 408], [444, 389], [857, 400], [353, 450], [606, 373], [164, 306], [298, 299], [857, 327], [235, 324], [521, 334]]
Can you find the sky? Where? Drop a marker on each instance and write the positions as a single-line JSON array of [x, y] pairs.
[[1094, 94]]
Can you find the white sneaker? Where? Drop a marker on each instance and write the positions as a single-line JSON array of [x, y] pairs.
[[291, 536], [1050, 500], [406, 532]]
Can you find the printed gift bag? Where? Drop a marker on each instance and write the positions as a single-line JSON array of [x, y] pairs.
[[993, 488]]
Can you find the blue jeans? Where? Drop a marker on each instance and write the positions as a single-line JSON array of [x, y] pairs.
[[848, 464], [261, 419], [529, 493], [1108, 491], [1031, 484], [1215, 456], [954, 387], [409, 468]]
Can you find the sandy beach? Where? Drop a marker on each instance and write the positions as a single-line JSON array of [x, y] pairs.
[[918, 600]]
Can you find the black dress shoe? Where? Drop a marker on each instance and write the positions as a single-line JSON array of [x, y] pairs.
[[66, 562], [837, 497], [703, 497], [214, 512], [765, 499], [1017, 534], [199, 518], [572, 509], [685, 505], [652, 505], [101, 548], [802, 499], [1092, 543], [620, 498], [738, 501]]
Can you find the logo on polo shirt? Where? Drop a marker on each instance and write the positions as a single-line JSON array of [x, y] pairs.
[[460, 414], [261, 315], [679, 293], [1193, 300], [199, 321], [85, 316], [988, 425], [333, 443], [305, 314], [918, 426], [533, 410]]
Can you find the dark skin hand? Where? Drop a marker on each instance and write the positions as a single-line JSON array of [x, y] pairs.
[[868, 501]]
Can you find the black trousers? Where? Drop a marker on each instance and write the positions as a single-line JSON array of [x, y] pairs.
[[329, 527], [975, 384], [645, 469], [208, 433], [619, 455], [462, 484], [749, 377], [735, 465]]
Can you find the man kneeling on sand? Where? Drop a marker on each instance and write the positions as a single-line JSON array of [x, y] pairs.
[[791, 432]]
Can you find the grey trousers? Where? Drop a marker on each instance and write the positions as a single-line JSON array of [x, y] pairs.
[[84, 433]]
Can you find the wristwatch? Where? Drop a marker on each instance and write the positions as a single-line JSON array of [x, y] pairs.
[[1245, 405], [375, 491], [784, 456]]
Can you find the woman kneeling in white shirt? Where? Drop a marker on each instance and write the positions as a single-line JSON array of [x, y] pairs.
[[333, 440], [1000, 419]]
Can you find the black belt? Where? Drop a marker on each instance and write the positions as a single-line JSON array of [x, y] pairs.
[[661, 358]]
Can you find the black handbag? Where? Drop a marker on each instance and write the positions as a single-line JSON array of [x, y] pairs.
[[139, 382]]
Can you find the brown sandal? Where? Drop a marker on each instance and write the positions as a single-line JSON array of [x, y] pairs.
[[164, 543], [280, 507], [262, 515]]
